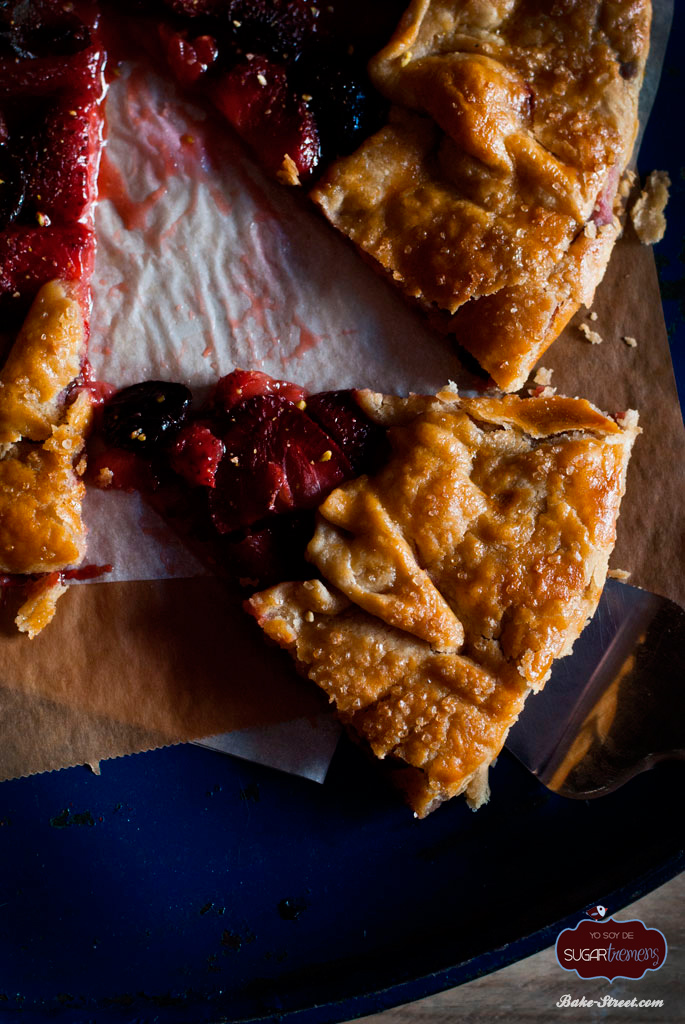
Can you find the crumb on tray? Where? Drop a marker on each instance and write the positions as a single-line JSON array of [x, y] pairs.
[[647, 212], [630, 341], [288, 173], [619, 574], [543, 375], [592, 336]]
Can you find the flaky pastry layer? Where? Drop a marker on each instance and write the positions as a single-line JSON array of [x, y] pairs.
[[489, 196], [41, 438], [454, 577]]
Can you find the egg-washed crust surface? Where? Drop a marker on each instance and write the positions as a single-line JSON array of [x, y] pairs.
[[490, 195], [41, 438], [452, 579]]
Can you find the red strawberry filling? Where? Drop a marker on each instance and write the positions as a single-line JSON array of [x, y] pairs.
[[256, 100], [239, 385], [603, 212], [51, 84], [188, 59], [196, 455], [277, 459], [242, 476], [290, 77]]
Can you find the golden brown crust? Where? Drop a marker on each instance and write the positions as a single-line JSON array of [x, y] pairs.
[[41, 529], [500, 514], [512, 125], [45, 358]]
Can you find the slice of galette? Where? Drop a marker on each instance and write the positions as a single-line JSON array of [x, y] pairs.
[[450, 580], [490, 196], [42, 431], [51, 92]]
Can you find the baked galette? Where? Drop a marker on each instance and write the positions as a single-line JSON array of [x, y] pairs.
[[491, 195], [448, 581], [488, 196]]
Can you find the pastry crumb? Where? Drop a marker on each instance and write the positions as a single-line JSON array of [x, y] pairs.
[[288, 173], [630, 342], [543, 375], [590, 229], [593, 316], [39, 607], [104, 477], [647, 212], [619, 574], [592, 336]]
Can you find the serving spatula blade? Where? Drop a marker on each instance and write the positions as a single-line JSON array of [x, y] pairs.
[[616, 705]]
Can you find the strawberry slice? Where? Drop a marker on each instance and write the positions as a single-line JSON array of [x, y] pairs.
[[277, 459], [31, 256], [59, 183], [364, 443], [189, 59], [235, 387], [196, 454], [269, 116], [121, 471], [79, 74]]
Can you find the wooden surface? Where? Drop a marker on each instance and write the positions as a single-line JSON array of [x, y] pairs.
[[527, 992]]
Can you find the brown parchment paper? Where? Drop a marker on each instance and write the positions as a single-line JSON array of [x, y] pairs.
[[616, 377], [150, 660], [130, 666]]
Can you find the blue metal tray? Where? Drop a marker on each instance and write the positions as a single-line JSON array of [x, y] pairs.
[[186, 886]]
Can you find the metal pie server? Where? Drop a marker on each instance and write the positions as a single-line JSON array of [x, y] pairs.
[[616, 705]]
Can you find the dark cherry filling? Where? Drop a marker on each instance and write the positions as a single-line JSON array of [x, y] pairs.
[[280, 75], [241, 477]]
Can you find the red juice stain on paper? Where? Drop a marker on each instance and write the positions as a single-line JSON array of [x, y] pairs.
[[174, 144], [111, 185], [308, 340]]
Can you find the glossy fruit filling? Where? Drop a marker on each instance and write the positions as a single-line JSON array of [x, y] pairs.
[[289, 76], [51, 84], [240, 478]]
